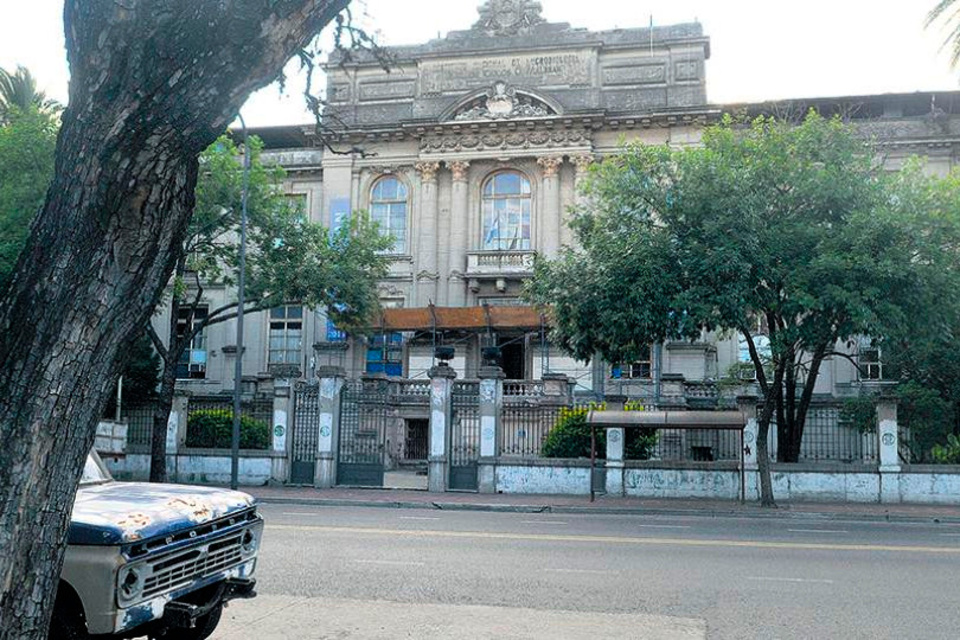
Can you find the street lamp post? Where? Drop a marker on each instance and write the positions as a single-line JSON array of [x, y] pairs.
[[238, 370]]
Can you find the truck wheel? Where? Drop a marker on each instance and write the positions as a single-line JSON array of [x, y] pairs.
[[206, 625], [66, 625]]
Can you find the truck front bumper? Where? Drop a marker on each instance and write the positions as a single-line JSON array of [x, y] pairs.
[[184, 615]]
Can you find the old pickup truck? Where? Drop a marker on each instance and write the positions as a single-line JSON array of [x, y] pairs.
[[153, 560]]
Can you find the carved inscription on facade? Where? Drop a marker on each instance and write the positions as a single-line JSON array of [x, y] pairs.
[[687, 70], [532, 70], [386, 90], [635, 74]]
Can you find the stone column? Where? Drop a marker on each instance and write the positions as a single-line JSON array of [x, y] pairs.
[[459, 236], [425, 276], [441, 414], [491, 408], [888, 437], [282, 416], [748, 407], [331, 382], [552, 219], [582, 164]]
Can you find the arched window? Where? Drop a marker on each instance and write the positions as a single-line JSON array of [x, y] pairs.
[[506, 212], [388, 208]]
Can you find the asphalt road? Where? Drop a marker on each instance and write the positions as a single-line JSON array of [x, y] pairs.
[[383, 573]]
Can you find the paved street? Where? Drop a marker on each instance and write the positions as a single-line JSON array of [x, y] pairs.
[[330, 572]]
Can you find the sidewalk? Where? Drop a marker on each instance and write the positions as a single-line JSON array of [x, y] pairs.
[[406, 499]]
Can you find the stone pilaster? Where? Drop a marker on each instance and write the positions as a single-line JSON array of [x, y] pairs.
[[441, 396], [459, 236], [331, 382], [552, 219], [425, 281], [491, 405]]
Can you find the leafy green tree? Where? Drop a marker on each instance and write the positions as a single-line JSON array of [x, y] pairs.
[[18, 92], [289, 259], [28, 140], [947, 12], [792, 227]]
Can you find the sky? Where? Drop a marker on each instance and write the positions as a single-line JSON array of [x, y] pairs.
[[761, 49]]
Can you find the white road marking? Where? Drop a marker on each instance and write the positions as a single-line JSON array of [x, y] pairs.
[[950, 535], [663, 526], [395, 563], [817, 531], [293, 513], [543, 522], [598, 572], [802, 580], [417, 518]]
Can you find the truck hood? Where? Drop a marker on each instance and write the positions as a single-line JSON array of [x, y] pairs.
[[119, 512]]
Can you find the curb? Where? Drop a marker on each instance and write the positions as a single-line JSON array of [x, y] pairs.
[[783, 513]]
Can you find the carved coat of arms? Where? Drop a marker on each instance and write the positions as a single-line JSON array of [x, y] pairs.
[[508, 17]]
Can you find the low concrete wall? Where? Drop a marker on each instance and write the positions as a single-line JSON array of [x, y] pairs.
[[199, 466], [932, 484], [561, 477], [693, 480]]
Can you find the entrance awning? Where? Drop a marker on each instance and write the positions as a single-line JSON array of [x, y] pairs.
[[461, 319]]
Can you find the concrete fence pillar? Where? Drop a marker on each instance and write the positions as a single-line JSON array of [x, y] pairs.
[[177, 423], [441, 392], [748, 407], [491, 408], [280, 436], [328, 437], [615, 458], [888, 439]]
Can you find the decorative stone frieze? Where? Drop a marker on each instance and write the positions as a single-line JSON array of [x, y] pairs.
[[496, 140], [550, 165], [459, 168], [428, 170], [503, 102]]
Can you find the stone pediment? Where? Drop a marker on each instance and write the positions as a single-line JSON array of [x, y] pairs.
[[502, 102]]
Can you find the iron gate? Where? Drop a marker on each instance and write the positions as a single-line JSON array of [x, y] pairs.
[[306, 427], [465, 437], [363, 432]]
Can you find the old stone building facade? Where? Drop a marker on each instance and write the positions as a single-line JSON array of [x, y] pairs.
[[474, 145]]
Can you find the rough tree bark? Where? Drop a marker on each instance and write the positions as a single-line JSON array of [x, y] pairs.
[[153, 83]]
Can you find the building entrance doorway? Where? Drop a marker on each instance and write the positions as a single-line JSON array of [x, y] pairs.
[[513, 358]]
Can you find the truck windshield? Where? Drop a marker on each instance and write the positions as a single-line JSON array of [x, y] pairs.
[[93, 471]]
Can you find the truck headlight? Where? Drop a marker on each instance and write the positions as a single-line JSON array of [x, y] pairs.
[[250, 542], [129, 584]]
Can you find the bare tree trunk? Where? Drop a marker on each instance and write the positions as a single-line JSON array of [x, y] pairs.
[[763, 449], [152, 84], [161, 417]]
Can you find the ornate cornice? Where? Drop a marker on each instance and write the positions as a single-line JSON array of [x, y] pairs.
[[471, 141]]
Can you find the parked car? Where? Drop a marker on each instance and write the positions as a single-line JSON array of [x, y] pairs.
[[154, 560]]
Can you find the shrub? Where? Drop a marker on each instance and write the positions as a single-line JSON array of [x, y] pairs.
[[570, 437], [949, 453], [213, 429]]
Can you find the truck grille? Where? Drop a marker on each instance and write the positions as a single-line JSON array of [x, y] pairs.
[[180, 569]]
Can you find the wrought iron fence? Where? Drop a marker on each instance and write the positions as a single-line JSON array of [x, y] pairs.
[[828, 436], [139, 419], [524, 427], [210, 419], [465, 432]]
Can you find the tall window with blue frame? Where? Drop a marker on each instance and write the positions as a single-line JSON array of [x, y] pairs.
[[506, 205], [388, 208], [385, 354]]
